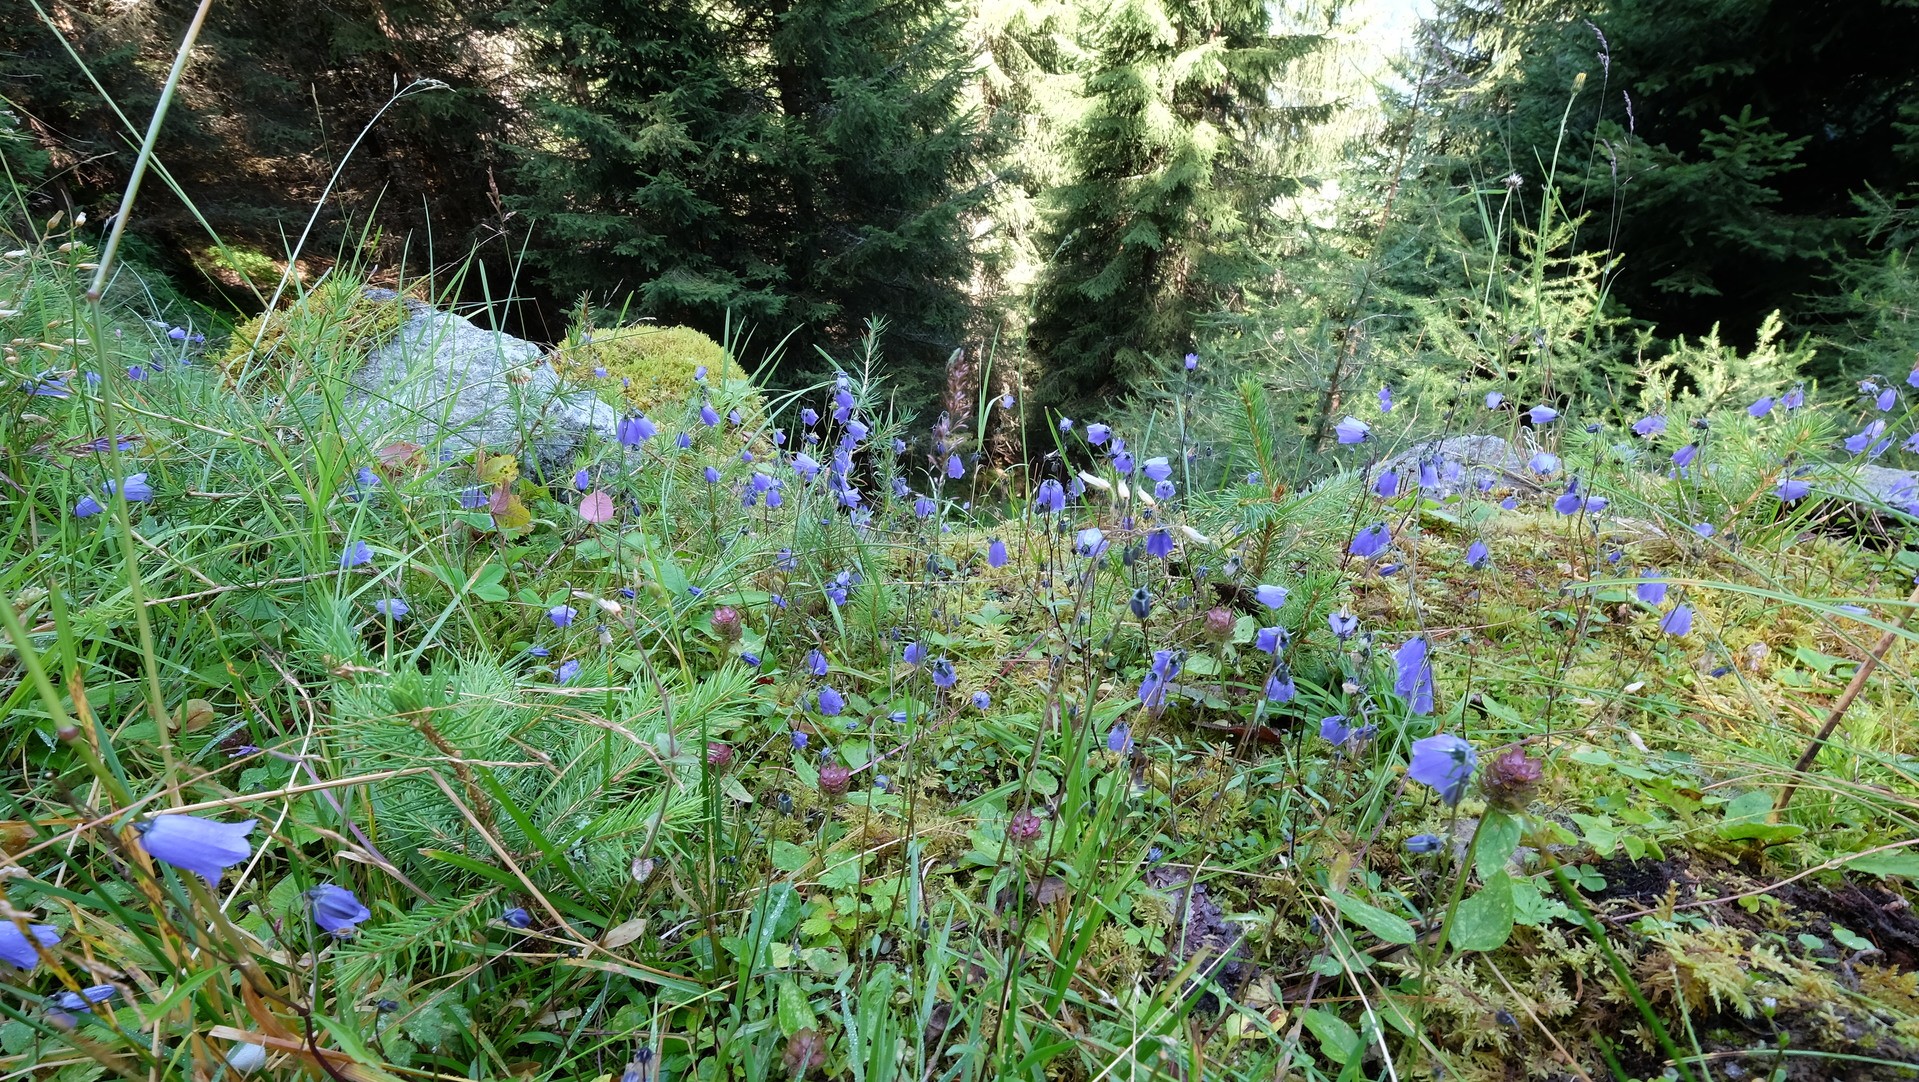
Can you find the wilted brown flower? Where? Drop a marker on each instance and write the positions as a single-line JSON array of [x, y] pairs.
[[1024, 829], [834, 779], [805, 1052], [1510, 779]]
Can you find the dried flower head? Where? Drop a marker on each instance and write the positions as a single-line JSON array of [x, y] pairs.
[[1511, 778]]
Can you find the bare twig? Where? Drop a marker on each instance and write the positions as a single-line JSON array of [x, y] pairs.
[[1866, 668]]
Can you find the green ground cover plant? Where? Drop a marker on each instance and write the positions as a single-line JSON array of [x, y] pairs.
[[799, 744]]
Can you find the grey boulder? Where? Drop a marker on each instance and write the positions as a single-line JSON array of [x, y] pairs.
[[450, 386]]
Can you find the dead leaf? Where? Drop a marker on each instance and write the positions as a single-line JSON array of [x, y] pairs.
[[400, 456], [621, 934]]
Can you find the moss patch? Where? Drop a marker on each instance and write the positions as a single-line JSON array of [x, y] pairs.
[[335, 319], [648, 367]]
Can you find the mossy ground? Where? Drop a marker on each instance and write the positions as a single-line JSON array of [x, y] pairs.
[[620, 728]]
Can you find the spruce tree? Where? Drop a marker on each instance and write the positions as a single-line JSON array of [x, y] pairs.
[[1715, 147], [641, 158], [878, 158], [1165, 214]]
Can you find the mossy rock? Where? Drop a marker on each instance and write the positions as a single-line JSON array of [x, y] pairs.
[[650, 368], [334, 319]]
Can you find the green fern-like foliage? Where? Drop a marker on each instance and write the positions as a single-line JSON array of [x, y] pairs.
[[435, 934], [1708, 374], [572, 796]]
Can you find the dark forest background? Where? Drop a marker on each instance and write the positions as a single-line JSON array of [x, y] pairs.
[[1089, 190]]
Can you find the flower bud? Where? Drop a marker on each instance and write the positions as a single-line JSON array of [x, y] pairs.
[[727, 624], [1511, 778], [1219, 624], [834, 779], [719, 756], [1025, 829]]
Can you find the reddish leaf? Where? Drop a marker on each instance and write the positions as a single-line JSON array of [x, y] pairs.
[[596, 507]]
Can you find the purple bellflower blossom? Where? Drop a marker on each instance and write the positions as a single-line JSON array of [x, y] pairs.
[[635, 430], [336, 910], [1677, 622], [1371, 541], [943, 674], [17, 951], [206, 847], [1445, 763], [1413, 674], [1651, 588], [138, 491]]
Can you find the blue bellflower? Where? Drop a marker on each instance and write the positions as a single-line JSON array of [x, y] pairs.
[[1445, 763], [1677, 622], [1159, 544], [17, 951], [206, 847], [635, 430], [1371, 540], [336, 910], [1413, 674]]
